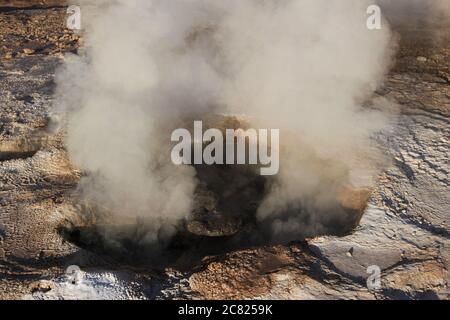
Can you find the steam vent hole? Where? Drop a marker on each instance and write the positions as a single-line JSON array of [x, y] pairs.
[[224, 219]]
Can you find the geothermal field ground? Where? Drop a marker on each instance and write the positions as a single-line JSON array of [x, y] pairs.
[[234, 243]]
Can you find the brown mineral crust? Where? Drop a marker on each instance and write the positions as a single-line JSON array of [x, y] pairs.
[[241, 275], [35, 32], [421, 276]]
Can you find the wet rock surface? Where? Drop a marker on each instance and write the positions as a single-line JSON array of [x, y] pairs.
[[405, 230], [213, 224]]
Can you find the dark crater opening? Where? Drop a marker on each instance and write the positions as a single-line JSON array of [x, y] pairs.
[[224, 220]]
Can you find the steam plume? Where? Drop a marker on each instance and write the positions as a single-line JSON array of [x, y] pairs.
[[305, 67]]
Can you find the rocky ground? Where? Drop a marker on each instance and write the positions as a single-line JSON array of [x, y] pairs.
[[405, 230]]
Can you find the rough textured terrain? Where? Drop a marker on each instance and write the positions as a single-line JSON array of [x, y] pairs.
[[31, 3], [405, 230]]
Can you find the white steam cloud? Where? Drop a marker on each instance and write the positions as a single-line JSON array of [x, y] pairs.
[[303, 66]]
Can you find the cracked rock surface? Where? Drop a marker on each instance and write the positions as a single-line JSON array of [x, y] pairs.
[[405, 231]]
